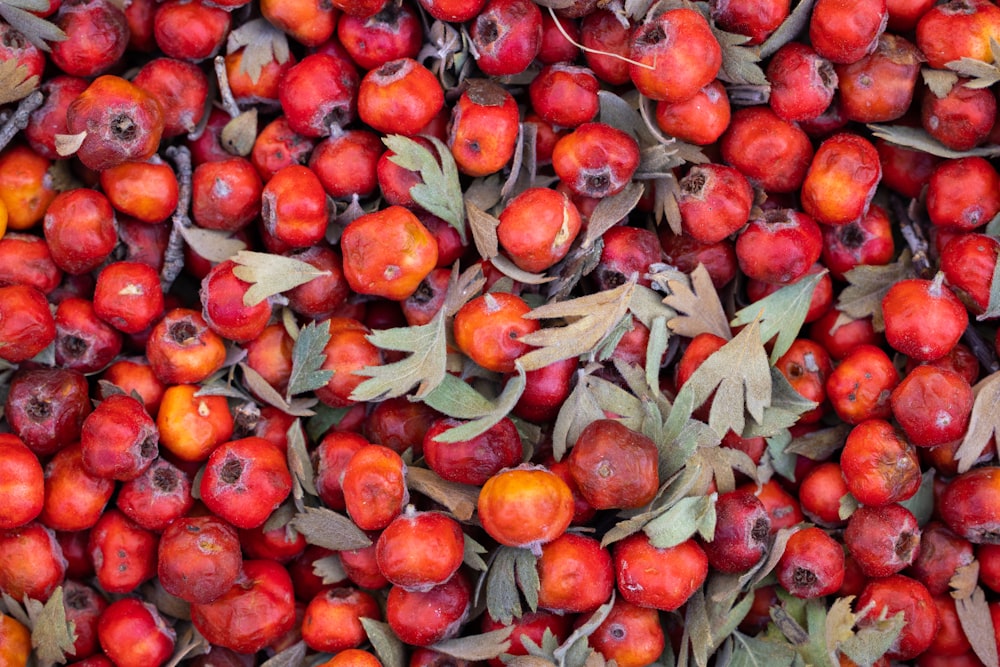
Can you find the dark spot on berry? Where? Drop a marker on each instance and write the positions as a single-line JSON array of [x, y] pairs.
[[73, 347], [775, 216], [182, 332], [390, 68], [827, 75], [489, 31], [231, 471], [617, 631], [761, 529], [803, 577], [473, 146], [165, 479], [654, 36], [193, 528], [612, 279], [76, 598], [148, 448], [795, 371], [695, 181], [13, 39], [852, 236], [124, 128], [598, 184], [423, 294], [38, 409]]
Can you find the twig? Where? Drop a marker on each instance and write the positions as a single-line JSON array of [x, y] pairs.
[[19, 119], [982, 350], [173, 257], [914, 236], [228, 101]]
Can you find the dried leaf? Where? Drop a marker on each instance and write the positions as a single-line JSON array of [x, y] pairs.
[[781, 313], [486, 646], [265, 392], [871, 642], [293, 656], [793, 26], [979, 74], [939, 81], [983, 423], [578, 410], [965, 580], [868, 285], [484, 230], [308, 358], [262, 43], [508, 268], [622, 115], [921, 504], [820, 445], [590, 318], [389, 649], [240, 133], [454, 398], [612, 210], [739, 63], [440, 192], [722, 461], [298, 458], [424, 368], [993, 307], [324, 419], [665, 192], [506, 580], [848, 505], [15, 84], [698, 305], [740, 376], [918, 139], [459, 499], [52, 634], [473, 554], [585, 629], [271, 274], [326, 528], [330, 570], [974, 615], [35, 29], [760, 652], [215, 246], [690, 515]]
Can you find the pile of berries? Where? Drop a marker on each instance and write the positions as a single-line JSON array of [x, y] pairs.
[[440, 333]]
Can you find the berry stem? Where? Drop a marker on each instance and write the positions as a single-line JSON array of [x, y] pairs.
[[173, 258], [19, 119]]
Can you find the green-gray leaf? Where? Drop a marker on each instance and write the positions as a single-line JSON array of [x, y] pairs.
[[441, 192], [308, 358], [781, 313]]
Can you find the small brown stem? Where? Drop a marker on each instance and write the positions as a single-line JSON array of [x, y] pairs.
[[914, 235], [228, 101], [173, 259], [19, 119], [982, 350]]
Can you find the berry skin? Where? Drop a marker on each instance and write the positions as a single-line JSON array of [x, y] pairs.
[[526, 506], [714, 202], [683, 54], [26, 323], [660, 578], [932, 405], [595, 160], [812, 564], [841, 180], [970, 507], [923, 318], [119, 439], [742, 532], [879, 465], [422, 618], [374, 487], [882, 540], [245, 480], [22, 486], [537, 228], [575, 574], [134, 634], [475, 460], [488, 329], [613, 466], [861, 386], [419, 550], [897, 593]]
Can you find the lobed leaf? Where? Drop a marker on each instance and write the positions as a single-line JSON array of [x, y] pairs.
[[740, 377], [424, 368], [15, 84], [589, 319], [697, 305], [262, 43], [781, 313], [270, 274], [440, 192], [983, 423], [52, 634], [455, 398], [867, 285], [308, 357]]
